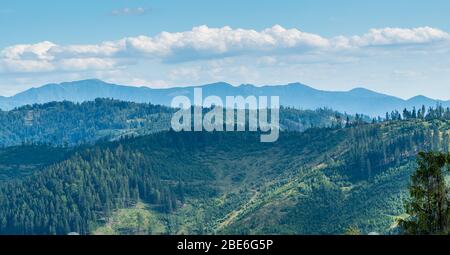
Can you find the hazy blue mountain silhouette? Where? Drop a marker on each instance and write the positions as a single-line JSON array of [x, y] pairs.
[[298, 95]]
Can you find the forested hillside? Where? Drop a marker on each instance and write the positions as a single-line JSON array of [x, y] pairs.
[[18, 161], [324, 180], [67, 123]]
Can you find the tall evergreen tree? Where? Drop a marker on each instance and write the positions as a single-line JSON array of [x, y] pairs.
[[429, 205]]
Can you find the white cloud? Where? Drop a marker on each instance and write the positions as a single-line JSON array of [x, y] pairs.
[[399, 36], [105, 49], [47, 56], [25, 66], [205, 43], [81, 64], [37, 51], [129, 11]]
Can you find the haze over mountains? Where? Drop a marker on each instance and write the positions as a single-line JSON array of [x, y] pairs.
[[298, 95]]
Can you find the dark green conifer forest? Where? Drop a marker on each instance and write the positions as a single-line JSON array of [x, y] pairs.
[[102, 167]]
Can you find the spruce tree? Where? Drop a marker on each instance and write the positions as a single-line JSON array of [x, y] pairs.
[[428, 207]]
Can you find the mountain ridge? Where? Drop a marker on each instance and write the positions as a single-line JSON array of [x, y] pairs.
[[357, 100]]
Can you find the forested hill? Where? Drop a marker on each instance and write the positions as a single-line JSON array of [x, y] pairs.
[[321, 181], [68, 123]]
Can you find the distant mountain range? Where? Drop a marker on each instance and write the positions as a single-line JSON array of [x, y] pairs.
[[297, 95]]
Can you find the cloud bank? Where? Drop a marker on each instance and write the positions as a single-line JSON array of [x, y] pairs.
[[205, 43]]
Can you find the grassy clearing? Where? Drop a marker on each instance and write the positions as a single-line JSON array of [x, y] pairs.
[[138, 220]]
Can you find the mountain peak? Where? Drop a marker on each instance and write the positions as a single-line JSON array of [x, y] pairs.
[[218, 84], [85, 82], [419, 97], [297, 84], [361, 90]]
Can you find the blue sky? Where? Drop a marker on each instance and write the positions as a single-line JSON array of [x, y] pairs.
[[327, 44]]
